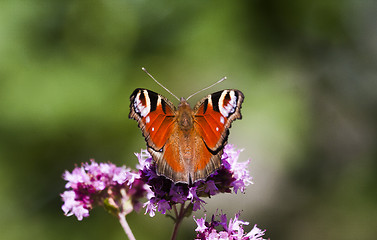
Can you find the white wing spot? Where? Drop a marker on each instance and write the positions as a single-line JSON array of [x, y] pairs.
[[231, 106], [222, 119], [147, 120], [217, 129], [152, 129], [143, 110]]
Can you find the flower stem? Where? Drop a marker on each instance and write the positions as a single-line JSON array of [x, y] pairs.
[[126, 227], [178, 220]]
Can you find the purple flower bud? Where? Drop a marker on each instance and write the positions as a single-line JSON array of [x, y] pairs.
[[210, 187], [163, 205]]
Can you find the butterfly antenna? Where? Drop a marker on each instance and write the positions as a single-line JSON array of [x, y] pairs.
[[224, 78], [145, 70]]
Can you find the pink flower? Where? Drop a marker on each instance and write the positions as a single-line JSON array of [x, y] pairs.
[[95, 184], [255, 233], [201, 224], [73, 207], [220, 230]]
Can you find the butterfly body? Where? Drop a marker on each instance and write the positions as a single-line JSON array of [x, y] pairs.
[[185, 143]]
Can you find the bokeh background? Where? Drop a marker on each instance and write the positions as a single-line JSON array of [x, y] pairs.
[[308, 70]]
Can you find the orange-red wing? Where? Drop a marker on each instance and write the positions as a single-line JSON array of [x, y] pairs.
[[169, 162], [155, 116], [172, 164], [202, 158], [210, 128], [214, 114], [171, 155]]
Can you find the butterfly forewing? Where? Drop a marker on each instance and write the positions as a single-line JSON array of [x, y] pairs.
[[155, 115], [214, 115]]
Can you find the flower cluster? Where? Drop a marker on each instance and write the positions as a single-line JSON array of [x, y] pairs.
[[234, 230], [164, 194], [120, 190], [117, 188]]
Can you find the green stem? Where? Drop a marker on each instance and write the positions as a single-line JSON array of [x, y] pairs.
[[178, 220], [126, 227]]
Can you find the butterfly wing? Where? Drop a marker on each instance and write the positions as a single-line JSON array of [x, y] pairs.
[[155, 116], [213, 117]]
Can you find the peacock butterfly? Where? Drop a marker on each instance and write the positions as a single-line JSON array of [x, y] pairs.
[[186, 143]]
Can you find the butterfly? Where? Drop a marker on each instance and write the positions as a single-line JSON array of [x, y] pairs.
[[186, 144]]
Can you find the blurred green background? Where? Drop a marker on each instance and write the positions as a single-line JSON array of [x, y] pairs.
[[308, 71]]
